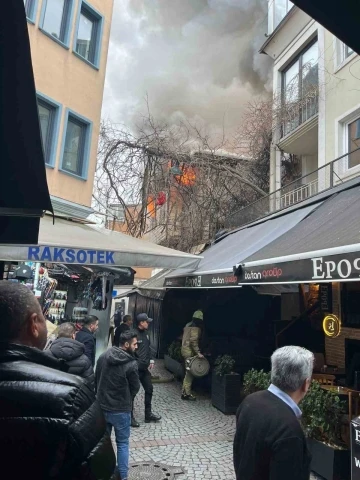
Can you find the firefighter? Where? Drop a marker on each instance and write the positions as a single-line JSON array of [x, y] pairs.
[[190, 348]]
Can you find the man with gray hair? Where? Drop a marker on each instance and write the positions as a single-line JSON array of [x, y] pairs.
[[269, 441]]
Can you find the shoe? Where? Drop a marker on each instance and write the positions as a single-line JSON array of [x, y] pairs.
[[134, 423], [188, 397], [152, 418]]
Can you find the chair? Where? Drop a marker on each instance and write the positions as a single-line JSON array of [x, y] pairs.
[[324, 379]]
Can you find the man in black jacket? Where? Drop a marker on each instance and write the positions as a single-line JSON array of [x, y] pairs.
[[66, 348], [50, 424], [143, 355], [86, 336], [117, 382], [269, 441], [123, 327]]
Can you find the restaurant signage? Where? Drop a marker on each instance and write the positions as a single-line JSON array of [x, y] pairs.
[[343, 267], [202, 281], [332, 326], [355, 449], [325, 297]]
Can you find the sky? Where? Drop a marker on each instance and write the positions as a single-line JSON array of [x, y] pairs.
[[197, 60]]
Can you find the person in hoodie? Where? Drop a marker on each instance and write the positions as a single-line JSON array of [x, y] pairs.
[[117, 383], [66, 348]]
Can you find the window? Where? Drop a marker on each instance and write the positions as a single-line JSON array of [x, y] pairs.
[[89, 31], [76, 146], [278, 9], [30, 9], [56, 15], [353, 141], [49, 117], [300, 89]]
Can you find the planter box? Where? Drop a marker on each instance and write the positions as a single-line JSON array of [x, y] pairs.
[[226, 392], [175, 367], [328, 462]]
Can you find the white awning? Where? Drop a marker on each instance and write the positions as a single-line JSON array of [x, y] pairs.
[[75, 243]]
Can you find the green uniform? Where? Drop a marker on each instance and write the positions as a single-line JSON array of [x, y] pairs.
[[190, 348]]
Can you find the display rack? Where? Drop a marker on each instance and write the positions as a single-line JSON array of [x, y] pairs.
[[58, 305]]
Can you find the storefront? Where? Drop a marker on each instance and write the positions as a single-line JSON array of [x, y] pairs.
[[74, 266], [296, 255]]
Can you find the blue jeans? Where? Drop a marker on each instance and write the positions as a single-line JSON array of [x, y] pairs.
[[121, 422]]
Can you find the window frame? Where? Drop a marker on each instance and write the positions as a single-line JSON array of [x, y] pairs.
[[88, 10], [271, 14], [55, 127], [66, 25], [297, 58], [86, 147], [347, 143], [31, 11]]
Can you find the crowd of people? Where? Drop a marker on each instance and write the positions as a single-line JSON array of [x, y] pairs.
[[57, 415]]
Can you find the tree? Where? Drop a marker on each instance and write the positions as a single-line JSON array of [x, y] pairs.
[[199, 179]]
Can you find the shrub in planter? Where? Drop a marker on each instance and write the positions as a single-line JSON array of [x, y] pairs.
[[174, 360], [226, 385], [321, 420]]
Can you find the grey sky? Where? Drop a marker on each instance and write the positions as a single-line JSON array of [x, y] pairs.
[[193, 58]]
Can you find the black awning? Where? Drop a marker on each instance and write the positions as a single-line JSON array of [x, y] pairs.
[[340, 18], [23, 186], [324, 247]]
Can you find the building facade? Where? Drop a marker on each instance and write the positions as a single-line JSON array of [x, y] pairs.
[[69, 46]]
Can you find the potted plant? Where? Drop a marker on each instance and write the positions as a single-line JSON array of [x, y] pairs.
[[174, 360], [322, 419], [226, 385]]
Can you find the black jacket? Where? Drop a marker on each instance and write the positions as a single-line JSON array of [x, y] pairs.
[[87, 338], [269, 441], [143, 352], [117, 380], [72, 352], [51, 426], [118, 331]]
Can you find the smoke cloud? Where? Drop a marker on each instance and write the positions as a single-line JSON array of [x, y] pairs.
[[194, 59]]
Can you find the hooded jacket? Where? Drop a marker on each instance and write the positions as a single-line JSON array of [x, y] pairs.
[[190, 341], [117, 380], [51, 426], [73, 353]]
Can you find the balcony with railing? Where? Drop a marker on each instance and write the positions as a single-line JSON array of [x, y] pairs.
[[324, 178]]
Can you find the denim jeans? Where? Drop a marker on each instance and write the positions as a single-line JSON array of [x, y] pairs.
[[121, 422]]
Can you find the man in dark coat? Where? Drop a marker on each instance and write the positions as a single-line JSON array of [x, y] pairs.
[[66, 348], [143, 355], [269, 441], [117, 382], [86, 336], [51, 425], [126, 325]]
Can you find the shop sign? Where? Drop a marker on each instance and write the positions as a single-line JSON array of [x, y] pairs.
[[202, 281], [355, 449], [70, 255], [325, 297], [332, 326], [343, 267]]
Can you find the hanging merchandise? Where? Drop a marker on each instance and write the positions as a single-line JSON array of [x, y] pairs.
[[57, 307], [98, 290]]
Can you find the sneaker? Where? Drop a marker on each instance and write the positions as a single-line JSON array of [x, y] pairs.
[[188, 397], [152, 418], [134, 423]]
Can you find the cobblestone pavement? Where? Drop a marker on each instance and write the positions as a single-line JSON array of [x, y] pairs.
[[191, 435]]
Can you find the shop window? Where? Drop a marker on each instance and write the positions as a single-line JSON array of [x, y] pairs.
[[30, 9], [76, 145], [300, 89], [89, 33], [49, 117], [56, 19], [350, 299], [353, 142]]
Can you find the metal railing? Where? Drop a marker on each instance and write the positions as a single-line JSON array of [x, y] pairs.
[[328, 176]]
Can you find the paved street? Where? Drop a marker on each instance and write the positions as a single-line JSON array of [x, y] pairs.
[[194, 436]]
